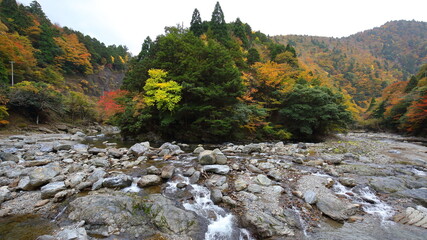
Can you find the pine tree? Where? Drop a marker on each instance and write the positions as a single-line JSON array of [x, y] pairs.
[[196, 23]]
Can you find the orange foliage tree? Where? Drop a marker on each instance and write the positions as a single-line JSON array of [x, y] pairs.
[[108, 104], [417, 116], [76, 56]]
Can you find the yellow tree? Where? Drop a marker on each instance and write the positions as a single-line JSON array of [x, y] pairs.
[[164, 94]]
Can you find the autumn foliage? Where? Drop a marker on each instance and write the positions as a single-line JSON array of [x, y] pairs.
[[108, 105]]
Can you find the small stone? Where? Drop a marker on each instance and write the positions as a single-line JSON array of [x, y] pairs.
[[206, 158], [96, 150], [254, 188], [120, 181], [41, 203], [228, 200], [216, 196], [195, 177], [198, 150], [167, 171], [153, 170], [189, 172], [149, 180], [218, 169], [310, 197], [49, 190], [263, 180]]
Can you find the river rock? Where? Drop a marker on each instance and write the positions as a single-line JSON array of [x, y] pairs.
[[75, 179], [42, 175], [100, 162], [216, 195], [114, 152], [218, 169], [387, 184], [327, 202], [198, 150], [254, 188], [139, 148], [153, 170], [206, 158], [220, 158], [253, 147], [418, 195], [149, 180], [120, 181], [332, 159], [265, 225], [189, 172], [62, 146], [170, 149], [72, 234], [195, 177], [4, 194], [80, 148], [49, 190], [254, 169], [97, 174], [241, 183], [348, 182], [310, 197], [96, 150], [167, 171], [8, 157], [263, 180]]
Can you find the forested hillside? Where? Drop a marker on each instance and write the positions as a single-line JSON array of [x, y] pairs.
[[219, 81], [365, 63], [56, 70]]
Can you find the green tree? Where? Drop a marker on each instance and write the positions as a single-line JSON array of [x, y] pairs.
[[196, 25], [36, 100], [310, 112], [218, 25], [253, 56], [412, 83], [239, 31]]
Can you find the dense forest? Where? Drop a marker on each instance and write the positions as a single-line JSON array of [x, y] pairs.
[[46, 58], [216, 81]]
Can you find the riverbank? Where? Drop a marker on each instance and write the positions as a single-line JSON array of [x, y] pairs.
[[356, 186]]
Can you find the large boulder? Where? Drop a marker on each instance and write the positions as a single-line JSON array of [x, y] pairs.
[[119, 181], [325, 199], [170, 149], [8, 157], [139, 149], [206, 157], [387, 184], [149, 180], [42, 175]]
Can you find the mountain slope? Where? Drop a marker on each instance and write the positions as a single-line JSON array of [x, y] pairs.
[[365, 63]]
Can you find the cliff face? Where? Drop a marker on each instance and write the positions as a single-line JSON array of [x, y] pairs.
[[96, 84]]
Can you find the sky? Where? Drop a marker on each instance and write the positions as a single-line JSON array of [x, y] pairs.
[[129, 22]]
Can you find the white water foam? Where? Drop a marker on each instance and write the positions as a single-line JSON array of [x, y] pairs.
[[221, 224], [134, 187]]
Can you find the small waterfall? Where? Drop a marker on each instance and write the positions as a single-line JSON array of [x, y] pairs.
[[134, 187], [221, 224], [301, 221]]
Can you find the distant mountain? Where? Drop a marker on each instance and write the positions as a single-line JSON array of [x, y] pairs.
[[363, 64]]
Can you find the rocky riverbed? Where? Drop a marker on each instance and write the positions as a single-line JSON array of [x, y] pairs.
[[355, 186]]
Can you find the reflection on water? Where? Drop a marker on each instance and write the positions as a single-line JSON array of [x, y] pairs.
[[24, 227]]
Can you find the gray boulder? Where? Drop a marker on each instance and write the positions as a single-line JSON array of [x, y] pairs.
[[96, 150], [265, 225], [263, 180], [62, 146], [153, 170], [100, 162], [149, 180], [8, 157], [220, 158], [219, 169], [167, 171], [97, 174], [49, 190], [387, 184], [120, 181], [72, 234], [139, 148], [253, 147], [42, 175], [4, 194], [206, 158], [114, 152], [419, 195], [198, 150]]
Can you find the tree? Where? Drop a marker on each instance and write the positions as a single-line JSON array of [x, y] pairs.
[[412, 83], [196, 23], [76, 58], [253, 56], [218, 25], [310, 112], [37, 100], [108, 105], [164, 94], [79, 106]]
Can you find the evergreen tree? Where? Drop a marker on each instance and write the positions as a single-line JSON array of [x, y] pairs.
[[196, 23], [239, 31], [412, 83], [253, 56], [218, 25], [36, 9]]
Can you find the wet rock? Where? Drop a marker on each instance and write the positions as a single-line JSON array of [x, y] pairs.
[[387, 184], [149, 180], [206, 158], [49, 190], [139, 148], [195, 177], [167, 171], [218, 169], [62, 146], [364, 170], [120, 181], [263, 180], [8, 157], [153, 170]]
